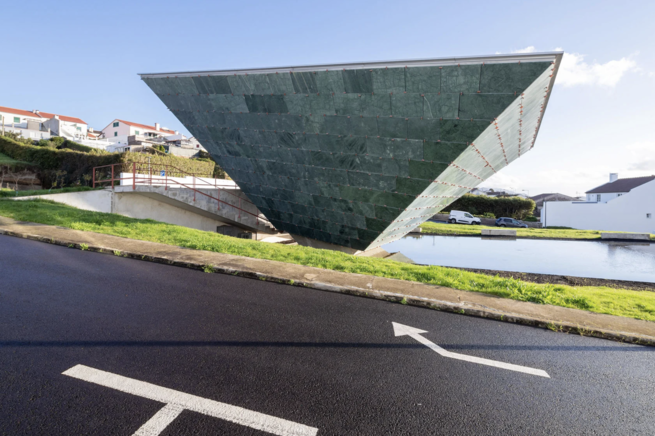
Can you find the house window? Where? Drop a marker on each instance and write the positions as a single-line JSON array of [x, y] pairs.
[[136, 132], [115, 133], [116, 124], [598, 197], [16, 119], [79, 129]]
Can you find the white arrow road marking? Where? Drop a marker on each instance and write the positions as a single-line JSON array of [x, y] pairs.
[[405, 330], [177, 401]]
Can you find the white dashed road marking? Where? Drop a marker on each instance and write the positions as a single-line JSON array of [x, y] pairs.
[[177, 401]]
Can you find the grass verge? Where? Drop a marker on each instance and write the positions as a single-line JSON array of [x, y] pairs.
[[430, 228], [6, 160], [627, 303], [12, 193]]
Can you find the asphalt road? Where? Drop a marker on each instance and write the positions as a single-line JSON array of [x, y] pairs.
[[318, 359]]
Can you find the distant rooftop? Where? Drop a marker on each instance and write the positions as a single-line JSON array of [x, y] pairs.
[[621, 185], [10, 110], [143, 126], [39, 114]]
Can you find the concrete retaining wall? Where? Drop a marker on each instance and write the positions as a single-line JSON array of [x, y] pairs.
[[96, 201], [499, 232], [626, 236]]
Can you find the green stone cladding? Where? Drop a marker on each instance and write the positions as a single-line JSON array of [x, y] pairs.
[[358, 157]]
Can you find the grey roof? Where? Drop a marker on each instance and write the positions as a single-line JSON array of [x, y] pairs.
[[539, 199], [621, 185], [464, 60]]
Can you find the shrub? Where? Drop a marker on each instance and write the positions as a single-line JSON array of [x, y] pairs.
[[58, 141], [16, 137], [219, 173], [64, 167], [489, 215], [52, 162], [45, 143], [67, 144], [158, 162], [515, 207], [531, 219]]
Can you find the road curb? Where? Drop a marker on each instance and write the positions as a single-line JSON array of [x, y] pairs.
[[462, 308]]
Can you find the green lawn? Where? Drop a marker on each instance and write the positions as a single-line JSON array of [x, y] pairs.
[[6, 160], [634, 304], [463, 229], [11, 193]]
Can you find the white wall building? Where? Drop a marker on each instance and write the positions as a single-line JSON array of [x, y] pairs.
[[42, 125], [67, 127], [118, 131], [26, 124], [623, 205]]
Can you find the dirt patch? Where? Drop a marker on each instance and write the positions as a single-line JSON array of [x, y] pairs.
[[567, 280]]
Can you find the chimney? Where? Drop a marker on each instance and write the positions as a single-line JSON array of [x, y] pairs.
[[56, 117], [614, 177], [157, 126], [177, 133]]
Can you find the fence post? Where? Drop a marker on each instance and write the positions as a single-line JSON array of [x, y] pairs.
[[133, 176], [94, 177], [112, 177], [166, 170]]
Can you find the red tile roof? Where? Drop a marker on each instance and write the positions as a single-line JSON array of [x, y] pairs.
[[62, 118], [143, 126], [18, 112]]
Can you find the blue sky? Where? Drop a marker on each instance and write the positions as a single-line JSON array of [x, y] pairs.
[[81, 58]]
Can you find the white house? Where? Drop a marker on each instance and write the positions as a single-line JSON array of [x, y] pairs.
[[118, 131], [624, 205], [42, 125], [62, 125], [25, 123]]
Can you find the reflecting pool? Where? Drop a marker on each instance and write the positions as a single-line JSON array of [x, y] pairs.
[[595, 259]]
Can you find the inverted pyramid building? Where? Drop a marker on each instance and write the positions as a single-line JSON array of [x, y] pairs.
[[355, 156]]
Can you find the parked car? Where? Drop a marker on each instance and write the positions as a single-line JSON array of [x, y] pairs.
[[510, 222], [461, 217]]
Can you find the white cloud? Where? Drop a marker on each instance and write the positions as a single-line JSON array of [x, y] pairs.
[[529, 49], [575, 71], [642, 158], [503, 181]]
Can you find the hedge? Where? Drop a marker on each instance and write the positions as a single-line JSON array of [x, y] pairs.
[[159, 163], [60, 167], [515, 207], [64, 167], [79, 147]]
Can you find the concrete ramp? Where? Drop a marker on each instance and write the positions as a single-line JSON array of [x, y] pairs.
[[204, 209], [231, 207]]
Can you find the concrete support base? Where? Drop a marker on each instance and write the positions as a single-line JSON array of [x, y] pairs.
[[308, 242], [625, 236], [499, 232]]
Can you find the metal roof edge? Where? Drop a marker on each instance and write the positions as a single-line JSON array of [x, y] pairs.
[[466, 60]]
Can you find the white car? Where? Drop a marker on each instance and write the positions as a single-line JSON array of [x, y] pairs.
[[461, 217]]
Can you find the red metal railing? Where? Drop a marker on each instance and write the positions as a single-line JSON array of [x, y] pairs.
[[142, 174]]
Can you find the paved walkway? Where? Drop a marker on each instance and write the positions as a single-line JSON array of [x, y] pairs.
[[435, 297]]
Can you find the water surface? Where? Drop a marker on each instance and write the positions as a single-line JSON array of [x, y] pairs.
[[595, 259]]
